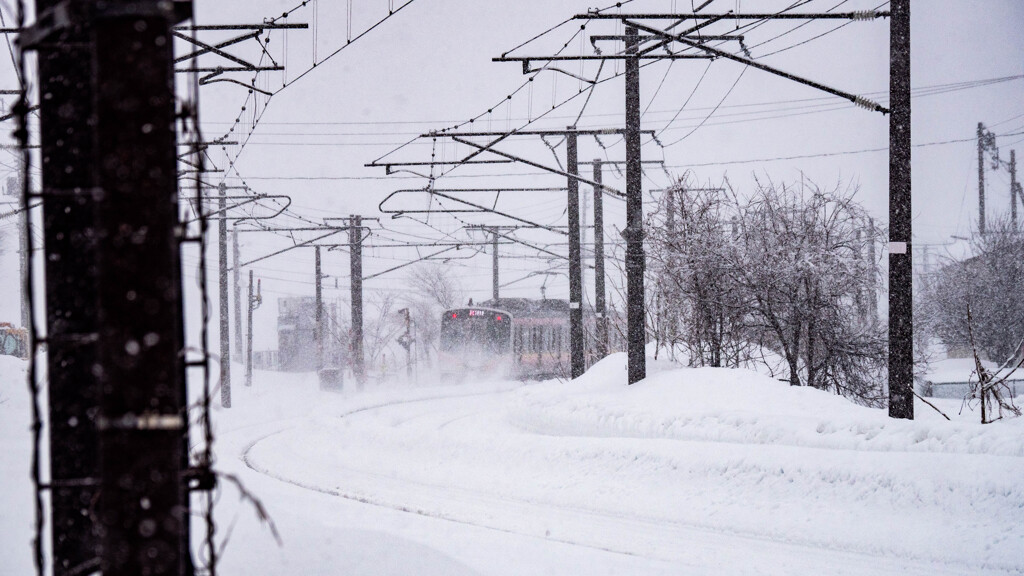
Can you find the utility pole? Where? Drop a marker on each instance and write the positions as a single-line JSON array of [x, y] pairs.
[[255, 300], [873, 294], [577, 358], [69, 176], [23, 256], [355, 246], [222, 286], [633, 233], [236, 271], [143, 499], [319, 335], [406, 341], [901, 279], [599, 302], [1013, 187], [494, 272], [981, 178]]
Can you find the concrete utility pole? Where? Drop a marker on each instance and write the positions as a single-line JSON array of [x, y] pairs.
[[319, 335], [981, 178], [69, 175], [254, 302], [901, 278], [599, 296], [355, 247], [1013, 187], [633, 233], [577, 358], [494, 272], [236, 271], [143, 502], [222, 291]]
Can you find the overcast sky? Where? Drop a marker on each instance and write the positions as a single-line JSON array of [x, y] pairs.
[[429, 67]]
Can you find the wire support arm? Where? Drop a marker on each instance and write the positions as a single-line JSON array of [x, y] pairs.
[[477, 209], [542, 167], [857, 16], [857, 100]]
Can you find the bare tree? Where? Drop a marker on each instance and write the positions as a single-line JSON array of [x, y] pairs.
[[800, 262], [988, 283]]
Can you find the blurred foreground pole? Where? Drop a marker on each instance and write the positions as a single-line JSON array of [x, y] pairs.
[[142, 509], [633, 233], [69, 200], [599, 303], [577, 360], [901, 334], [355, 239]]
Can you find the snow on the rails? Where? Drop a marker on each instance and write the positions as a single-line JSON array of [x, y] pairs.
[[692, 471], [721, 451]]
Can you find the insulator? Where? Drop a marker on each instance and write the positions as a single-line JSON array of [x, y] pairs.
[[864, 103], [863, 15]]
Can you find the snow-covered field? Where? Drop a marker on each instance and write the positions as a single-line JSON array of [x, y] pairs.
[[692, 471]]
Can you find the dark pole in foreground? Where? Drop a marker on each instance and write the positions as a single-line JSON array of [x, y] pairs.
[[142, 508], [901, 348], [633, 233], [222, 286], [355, 238], [577, 360], [68, 179], [599, 303]]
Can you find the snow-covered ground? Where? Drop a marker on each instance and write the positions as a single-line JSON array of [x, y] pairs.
[[692, 471]]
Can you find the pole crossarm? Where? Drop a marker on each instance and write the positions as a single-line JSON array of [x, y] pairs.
[[477, 208], [244, 201], [861, 15], [388, 165], [857, 100], [527, 59], [411, 262], [261, 27], [540, 166], [299, 245], [579, 132]]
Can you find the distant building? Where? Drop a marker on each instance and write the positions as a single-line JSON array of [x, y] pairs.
[[297, 349]]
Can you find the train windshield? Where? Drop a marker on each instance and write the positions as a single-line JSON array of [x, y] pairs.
[[472, 330]]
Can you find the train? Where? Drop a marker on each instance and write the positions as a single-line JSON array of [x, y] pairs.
[[507, 338]]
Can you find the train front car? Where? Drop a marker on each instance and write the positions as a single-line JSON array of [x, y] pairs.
[[476, 343]]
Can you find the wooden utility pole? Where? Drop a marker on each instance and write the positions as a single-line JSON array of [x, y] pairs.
[[901, 279]]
